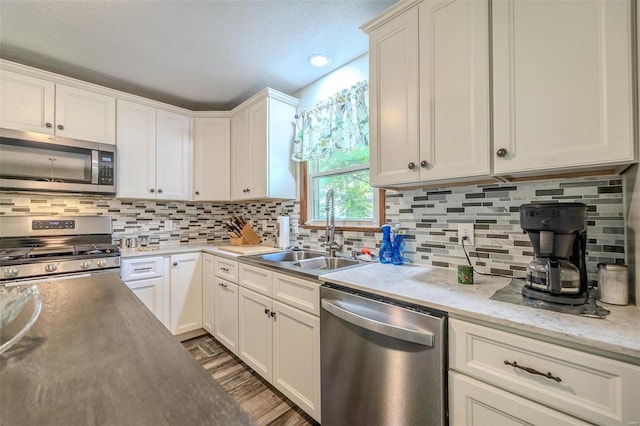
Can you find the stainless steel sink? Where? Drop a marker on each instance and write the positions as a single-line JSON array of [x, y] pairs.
[[304, 262], [290, 256], [325, 263]]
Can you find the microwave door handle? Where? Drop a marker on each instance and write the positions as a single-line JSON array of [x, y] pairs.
[[94, 166]]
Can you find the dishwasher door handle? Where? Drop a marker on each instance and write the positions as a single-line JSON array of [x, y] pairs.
[[401, 333]]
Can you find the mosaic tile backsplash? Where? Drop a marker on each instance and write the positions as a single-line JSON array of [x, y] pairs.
[[429, 217]]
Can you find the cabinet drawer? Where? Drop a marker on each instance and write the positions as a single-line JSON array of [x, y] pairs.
[[140, 268], [227, 269], [474, 403], [296, 292], [256, 279], [591, 387]]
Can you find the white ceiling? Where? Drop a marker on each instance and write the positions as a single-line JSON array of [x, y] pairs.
[[201, 55]]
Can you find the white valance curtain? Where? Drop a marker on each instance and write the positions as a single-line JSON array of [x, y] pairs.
[[341, 123]]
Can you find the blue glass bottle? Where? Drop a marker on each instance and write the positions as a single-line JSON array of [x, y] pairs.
[[386, 249], [398, 248]]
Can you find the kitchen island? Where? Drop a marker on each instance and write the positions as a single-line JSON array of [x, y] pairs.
[[96, 355]]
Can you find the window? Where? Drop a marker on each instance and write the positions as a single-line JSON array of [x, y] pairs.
[[347, 173], [332, 144]]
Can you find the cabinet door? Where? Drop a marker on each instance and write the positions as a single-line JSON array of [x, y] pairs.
[[136, 152], [186, 293], [226, 314], [151, 293], [257, 162], [474, 403], [562, 84], [255, 333], [212, 159], [240, 155], [85, 115], [393, 100], [296, 357], [26, 103], [208, 292], [173, 151], [454, 89]]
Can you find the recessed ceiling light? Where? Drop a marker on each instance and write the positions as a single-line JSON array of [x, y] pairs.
[[319, 60]]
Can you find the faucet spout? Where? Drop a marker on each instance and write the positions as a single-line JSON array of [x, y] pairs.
[[330, 230]]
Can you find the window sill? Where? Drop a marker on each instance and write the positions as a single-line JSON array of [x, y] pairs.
[[345, 228]]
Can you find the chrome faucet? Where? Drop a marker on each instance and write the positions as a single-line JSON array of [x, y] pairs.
[[330, 230]]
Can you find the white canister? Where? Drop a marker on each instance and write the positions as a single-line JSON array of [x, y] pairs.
[[613, 283]]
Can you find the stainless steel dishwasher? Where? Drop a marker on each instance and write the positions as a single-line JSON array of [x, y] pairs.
[[383, 362]]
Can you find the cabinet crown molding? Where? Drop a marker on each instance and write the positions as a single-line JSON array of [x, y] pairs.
[[395, 10]]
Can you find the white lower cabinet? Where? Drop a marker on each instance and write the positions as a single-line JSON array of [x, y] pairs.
[[145, 277], [296, 357], [474, 403], [279, 341], [256, 332], [226, 314], [186, 293], [208, 292], [540, 383]]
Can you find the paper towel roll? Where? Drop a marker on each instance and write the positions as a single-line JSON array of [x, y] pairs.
[[282, 236]]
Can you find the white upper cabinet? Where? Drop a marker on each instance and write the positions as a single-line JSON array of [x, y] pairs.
[[153, 153], [85, 115], [173, 154], [36, 105], [262, 131], [212, 159], [562, 85], [429, 92]]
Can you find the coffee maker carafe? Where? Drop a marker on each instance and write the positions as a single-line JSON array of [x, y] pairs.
[[558, 235]]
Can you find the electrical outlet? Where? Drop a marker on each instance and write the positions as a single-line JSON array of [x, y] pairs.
[[466, 230], [294, 226]]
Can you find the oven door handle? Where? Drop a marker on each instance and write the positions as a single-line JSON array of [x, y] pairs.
[[420, 337]]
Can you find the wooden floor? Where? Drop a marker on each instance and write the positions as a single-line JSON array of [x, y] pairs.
[[265, 404]]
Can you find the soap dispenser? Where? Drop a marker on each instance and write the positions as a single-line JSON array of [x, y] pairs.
[[398, 246], [386, 249]]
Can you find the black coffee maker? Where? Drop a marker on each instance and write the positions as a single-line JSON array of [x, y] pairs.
[[558, 234]]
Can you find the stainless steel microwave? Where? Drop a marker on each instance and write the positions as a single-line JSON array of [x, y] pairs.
[[36, 162]]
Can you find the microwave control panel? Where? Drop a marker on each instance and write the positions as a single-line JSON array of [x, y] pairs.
[[106, 165]]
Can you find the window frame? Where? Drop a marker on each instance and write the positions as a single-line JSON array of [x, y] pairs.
[[305, 205]]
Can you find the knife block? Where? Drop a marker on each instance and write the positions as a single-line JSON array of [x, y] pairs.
[[249, 237]]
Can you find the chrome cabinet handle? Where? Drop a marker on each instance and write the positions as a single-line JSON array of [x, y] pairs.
[[222, 285], [159, 191], [60, 127], [175, 263], [224, 269], [152, 190], [411, 166], [384, 328], [502, 152], [48, 125], [424, 163], [267, 311], [197, 192], [273, 314], [533, 371]]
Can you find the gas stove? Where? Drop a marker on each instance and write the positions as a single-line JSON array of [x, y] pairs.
[[37, 247]]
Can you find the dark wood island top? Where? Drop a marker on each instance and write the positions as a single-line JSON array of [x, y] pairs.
[[97, 356]]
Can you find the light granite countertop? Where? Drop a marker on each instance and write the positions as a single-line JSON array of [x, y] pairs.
[[168, 249], [617, 335]]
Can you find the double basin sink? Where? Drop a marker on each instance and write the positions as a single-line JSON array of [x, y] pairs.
[[304, 262]]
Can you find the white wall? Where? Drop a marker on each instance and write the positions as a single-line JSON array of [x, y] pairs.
[[327, 86]]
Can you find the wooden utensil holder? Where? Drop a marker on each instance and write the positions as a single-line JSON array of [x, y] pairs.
[[249, 237]]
